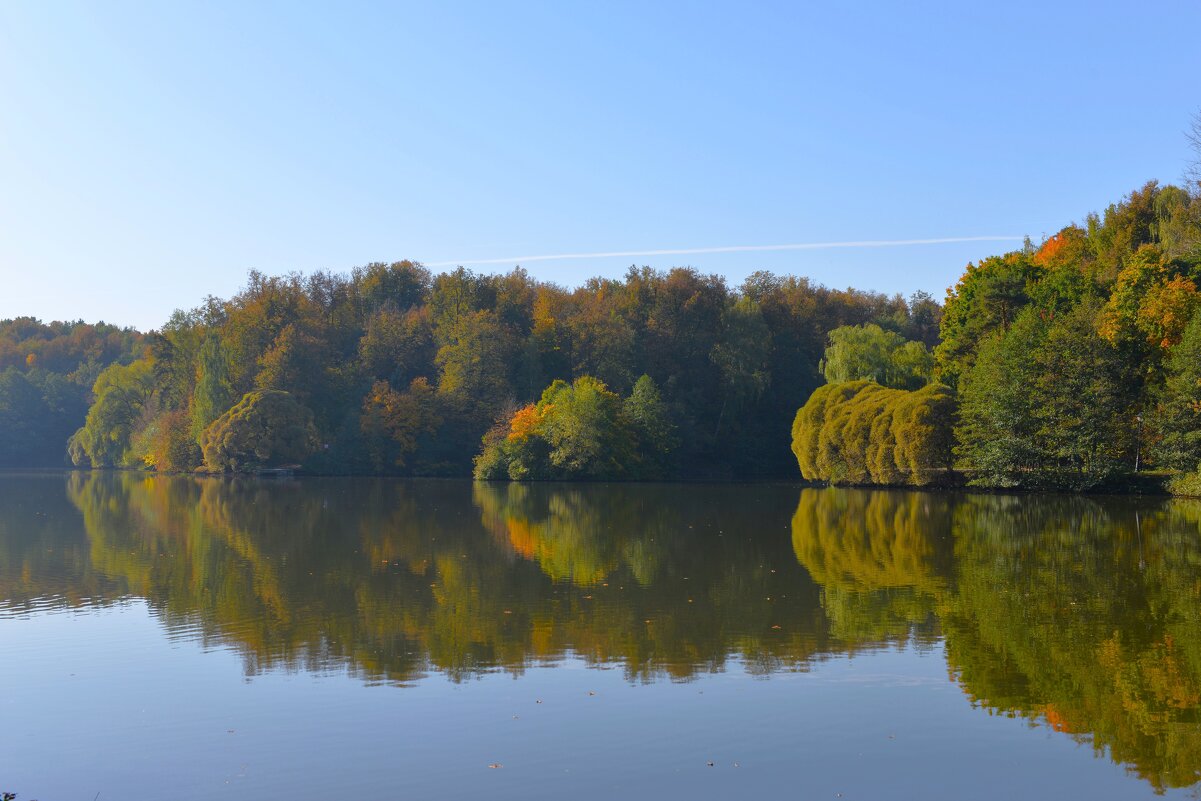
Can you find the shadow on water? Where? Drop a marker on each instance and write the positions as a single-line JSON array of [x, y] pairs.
[[1080, 614]]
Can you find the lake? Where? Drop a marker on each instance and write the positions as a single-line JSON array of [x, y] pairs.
[[185, 638]]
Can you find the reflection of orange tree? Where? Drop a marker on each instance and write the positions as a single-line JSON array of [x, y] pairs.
[[881, 557], [1084, 614], [570, 538], [661, 577], [391, 579]]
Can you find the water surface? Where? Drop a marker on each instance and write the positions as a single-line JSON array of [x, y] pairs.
[[198, 638]]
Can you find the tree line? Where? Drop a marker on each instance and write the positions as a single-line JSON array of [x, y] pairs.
[[393, 369], [47, 372], [1067, 364]]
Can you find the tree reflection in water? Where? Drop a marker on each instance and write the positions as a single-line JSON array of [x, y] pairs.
[[1082, 614]]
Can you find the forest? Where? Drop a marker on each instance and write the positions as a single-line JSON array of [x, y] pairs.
[[47, 374], [394, 370], [1067, 364]]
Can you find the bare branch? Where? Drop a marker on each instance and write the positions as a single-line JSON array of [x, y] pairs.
[[1192, 172]]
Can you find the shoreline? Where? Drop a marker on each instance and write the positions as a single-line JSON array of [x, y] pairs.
[[1151, 485]]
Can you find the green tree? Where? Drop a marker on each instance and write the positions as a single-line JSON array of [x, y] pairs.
[[586, 429], [987, 299], [122, 393], [656, 434], [1177, 415], [997, 428], [858, 352], [266, 428], [21, 418], [1048, 403], [213, 393], [743, 360], [1084, 410]]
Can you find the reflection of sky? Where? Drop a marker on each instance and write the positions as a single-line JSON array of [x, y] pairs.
[[101, 701]]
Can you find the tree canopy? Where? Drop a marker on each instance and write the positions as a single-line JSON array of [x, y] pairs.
[[47, 372], [1065, 363], [405, 371]]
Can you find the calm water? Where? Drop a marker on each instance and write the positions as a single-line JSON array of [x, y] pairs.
[[174, 638]]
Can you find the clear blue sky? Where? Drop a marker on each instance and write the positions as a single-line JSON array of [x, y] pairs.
[[151, 154]]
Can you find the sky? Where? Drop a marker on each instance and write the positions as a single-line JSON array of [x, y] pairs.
[[153, 154]]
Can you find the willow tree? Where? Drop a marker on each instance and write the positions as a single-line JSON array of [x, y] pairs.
[[213, 393], [869, 352], [122, 393], [859, 432], [266, 428]]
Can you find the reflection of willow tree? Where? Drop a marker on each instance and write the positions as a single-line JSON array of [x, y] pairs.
[[171, 541], [44, 555], [394, 579], [881, 557], [1085, 614]]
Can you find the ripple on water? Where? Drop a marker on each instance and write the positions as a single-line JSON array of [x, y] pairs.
[[26, 608]]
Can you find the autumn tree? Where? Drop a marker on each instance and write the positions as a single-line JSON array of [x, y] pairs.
[[581, 430], [393, 423], [265, 428], [397, 346]]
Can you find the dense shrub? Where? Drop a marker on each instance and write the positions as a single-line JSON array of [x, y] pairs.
[[859, 432]]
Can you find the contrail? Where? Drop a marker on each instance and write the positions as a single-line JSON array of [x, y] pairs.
[[866, 243]]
